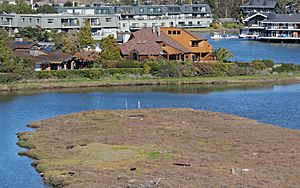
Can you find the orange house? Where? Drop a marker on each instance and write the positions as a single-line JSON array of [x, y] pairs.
[[166, 43]]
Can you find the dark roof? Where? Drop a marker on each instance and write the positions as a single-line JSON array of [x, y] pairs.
[[255, 14], [20, 45], [260, 4], [146, 42], [283, 18], [49, 57], [22, 50]]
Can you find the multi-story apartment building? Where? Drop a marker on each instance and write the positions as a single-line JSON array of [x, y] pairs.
[[106, 20], [101, 25], [136, 17]]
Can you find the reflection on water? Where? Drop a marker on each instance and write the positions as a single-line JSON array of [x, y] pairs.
[[273, 104], [192, 89]]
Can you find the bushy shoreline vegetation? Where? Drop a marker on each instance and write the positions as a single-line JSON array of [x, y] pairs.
[[152, 69]]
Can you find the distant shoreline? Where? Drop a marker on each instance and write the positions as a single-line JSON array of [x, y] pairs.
[[85, 83], [211, 30]]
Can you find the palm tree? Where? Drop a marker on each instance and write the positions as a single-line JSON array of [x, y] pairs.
[[222, 54]]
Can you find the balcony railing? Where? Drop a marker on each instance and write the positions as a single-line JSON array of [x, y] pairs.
[[70, 24], [167, 18], [95, 24], [5, 23]]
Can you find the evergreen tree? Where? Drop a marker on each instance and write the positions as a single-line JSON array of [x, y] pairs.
[[85, 36], [110, 48], [5, 57], [3, 34]]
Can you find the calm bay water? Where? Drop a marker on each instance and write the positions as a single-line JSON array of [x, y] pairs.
[[273, 104], [247, 50]]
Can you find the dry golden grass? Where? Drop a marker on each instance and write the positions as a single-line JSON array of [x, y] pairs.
[[162, 147]]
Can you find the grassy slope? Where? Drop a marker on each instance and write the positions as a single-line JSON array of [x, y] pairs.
[[140, 148], [77, 83]]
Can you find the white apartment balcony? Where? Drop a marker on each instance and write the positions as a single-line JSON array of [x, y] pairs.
[[6, 23]]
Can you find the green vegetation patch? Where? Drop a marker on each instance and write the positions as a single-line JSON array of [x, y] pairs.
[[103, 156]]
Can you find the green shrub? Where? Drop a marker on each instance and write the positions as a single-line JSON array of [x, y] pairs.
[[61, 74], [128, 64], [8, 77], [286, 68], [205, 69], [268, 62], [258, 65], [123, 71], [109, 64], [44, 74], [169, 69], [147, 69], [242, 64], [93, 73], [213, 69], [188, 70], [154, 65]]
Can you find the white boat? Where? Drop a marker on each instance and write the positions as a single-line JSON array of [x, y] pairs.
[[216, 36], [231, 37]]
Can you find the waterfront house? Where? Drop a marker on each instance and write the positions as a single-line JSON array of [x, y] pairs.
[[273, 27], [168, 43], [281, 28], [265, 6]]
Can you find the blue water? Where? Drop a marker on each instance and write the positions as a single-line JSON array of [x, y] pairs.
[[248, 50], [273, 104]]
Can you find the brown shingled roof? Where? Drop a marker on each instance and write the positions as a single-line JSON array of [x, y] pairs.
[[146, 42], [46, 57]]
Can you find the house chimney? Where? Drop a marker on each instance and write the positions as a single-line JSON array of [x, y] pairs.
[[158, 31], [18, 39], [34, 51]]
